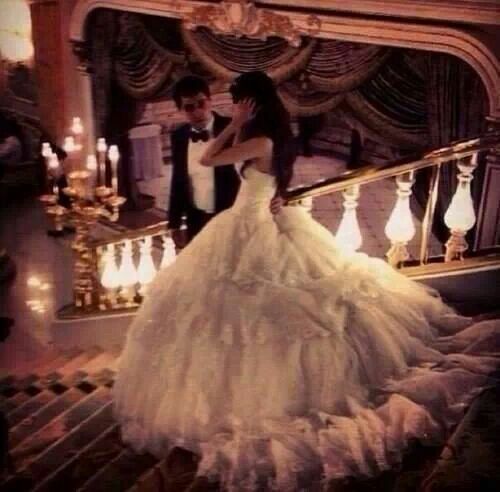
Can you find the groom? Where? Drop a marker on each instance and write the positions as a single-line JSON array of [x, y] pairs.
[[197, 191]]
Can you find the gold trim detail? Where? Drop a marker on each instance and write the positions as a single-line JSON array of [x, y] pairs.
[[243, 18]]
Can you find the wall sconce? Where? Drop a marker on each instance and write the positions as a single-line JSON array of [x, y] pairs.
[[15, 31]]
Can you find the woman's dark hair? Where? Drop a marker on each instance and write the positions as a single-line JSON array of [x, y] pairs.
[[271, 120], [189, 86]]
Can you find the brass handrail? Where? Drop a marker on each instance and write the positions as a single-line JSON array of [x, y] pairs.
[[152, 230], [371, 173]]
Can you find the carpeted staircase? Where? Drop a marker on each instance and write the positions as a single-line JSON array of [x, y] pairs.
[[62, 437]]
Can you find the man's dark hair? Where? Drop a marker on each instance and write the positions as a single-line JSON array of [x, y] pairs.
[[189, 86]]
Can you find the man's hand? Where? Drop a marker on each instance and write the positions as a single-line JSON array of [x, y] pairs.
[[276, 204], [180, 238]]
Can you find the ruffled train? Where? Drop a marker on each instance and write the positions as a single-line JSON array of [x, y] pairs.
[[280, 359]]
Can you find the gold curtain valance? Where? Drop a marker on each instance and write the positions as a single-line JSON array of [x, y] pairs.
[[142, 66], [228, 56]]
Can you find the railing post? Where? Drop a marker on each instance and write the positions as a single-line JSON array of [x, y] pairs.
[[110, 276], [349, 234], [127, 274], [400, 228], [460, 216], [168, 255], [146, 270]]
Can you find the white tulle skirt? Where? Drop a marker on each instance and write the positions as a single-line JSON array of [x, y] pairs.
[[279, 358]]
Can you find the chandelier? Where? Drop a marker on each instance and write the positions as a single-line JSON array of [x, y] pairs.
[[15, 31]]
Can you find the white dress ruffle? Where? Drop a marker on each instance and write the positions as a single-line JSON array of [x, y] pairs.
[[281, 359]]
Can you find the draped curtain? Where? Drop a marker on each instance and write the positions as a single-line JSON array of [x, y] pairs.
[[415, 100], [456, 104]]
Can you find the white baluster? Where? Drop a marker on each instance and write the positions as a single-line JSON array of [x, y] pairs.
[[400, 228], [110, 278], [127, 273], [349, 234], [146, 270], [460, 216], [168, 252]]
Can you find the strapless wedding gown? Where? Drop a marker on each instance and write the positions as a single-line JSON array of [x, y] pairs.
[[279, 358]]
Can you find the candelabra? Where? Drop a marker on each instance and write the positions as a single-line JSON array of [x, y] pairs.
[[90, 199]]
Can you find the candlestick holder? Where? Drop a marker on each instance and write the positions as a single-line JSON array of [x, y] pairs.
[[84, 212]]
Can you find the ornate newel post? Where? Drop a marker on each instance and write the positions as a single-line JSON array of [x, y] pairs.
[[460, 216]]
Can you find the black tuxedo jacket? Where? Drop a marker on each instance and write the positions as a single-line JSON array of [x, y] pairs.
[[227, 181]]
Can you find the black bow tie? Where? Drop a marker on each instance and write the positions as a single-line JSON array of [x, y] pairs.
[[196, 136]]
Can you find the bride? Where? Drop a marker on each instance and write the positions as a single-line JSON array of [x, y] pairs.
[[275, 356]]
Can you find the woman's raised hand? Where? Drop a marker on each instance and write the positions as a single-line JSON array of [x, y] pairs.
[[243, 111]]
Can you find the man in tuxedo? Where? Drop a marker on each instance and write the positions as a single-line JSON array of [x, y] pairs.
[[197, 191]]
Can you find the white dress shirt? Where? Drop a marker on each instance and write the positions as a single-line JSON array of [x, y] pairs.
[[201, 177]]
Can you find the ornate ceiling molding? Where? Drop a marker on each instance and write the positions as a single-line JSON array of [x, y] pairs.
[[458, 41], [466, 11], [243, 18]]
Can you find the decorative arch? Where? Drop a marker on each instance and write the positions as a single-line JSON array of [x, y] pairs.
[[290, 25]]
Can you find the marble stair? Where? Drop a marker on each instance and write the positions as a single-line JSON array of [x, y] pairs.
[[63, 437]]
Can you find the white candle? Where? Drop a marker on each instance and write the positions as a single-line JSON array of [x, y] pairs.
[[69, 144], [53, 164], [77, 131], [53, 168], [46, 150], [101, 152], [114, 156], [92, 169], [77, 127]]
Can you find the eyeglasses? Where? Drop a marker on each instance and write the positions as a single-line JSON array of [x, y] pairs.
[[190, 107]]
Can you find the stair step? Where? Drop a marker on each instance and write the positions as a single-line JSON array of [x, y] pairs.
[[52, 390], [67, 367], [10, 404], [102, 361], [47, 359], [78, 362], [117, 475], [80, 468], [28, 429], [17, 384], [60, 426], [30, 407], [71, 444], [52, 364], [46, 370], [7, 406]]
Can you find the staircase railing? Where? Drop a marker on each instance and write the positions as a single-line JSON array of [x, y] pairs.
[[126, 263], [459, 218]]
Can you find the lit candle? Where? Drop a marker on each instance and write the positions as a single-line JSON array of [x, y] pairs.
[[77, 127], [53, 167], [69, 148], [69, 144], [101, 153], [77, 131], [114, 156], [46, 150], [46, 153], [92, 169]]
